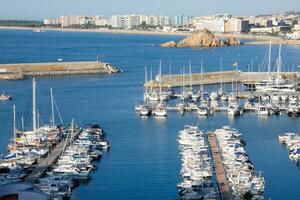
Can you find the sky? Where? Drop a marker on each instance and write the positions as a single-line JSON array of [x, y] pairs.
[[40, 9]]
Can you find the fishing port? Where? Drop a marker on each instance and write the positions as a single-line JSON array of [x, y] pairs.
[[52, 159], [21, 71]]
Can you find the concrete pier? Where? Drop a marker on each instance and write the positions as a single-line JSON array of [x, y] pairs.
[[23, 70], [219, 168], [209, 78], [45, 163]]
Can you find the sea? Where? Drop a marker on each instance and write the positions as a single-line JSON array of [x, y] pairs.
[[143, 162]]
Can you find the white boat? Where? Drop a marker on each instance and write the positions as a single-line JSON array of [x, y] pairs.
[[4, 97], [203, 111], [232, 97], [160, 110], [233, 109], [224, 97], [145, 111], [263, 110], [214, 96]]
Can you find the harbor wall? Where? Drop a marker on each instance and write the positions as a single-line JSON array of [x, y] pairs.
[[22, 70], [209, 78]]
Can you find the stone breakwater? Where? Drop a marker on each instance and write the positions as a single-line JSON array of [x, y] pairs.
[[23, 70]]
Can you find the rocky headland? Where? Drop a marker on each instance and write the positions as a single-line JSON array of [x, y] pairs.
[[203, 39]]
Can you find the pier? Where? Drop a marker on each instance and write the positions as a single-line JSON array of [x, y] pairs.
[[23, 70], [45, 163], [219, 168], [210, 78]]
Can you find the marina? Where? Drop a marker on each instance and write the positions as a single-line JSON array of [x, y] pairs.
[[145, 149], [51, 157]]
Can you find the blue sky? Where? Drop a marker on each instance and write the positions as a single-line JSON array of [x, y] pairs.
[[39, 9]]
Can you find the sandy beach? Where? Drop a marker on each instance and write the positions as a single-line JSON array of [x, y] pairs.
[[256, 39]]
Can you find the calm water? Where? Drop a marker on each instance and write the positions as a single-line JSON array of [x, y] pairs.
[[143, 162]]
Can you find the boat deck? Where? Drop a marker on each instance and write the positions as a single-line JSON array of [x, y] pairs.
[[219, 168]]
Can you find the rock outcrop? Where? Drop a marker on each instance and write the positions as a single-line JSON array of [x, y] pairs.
[[169, 44], [202, 39]]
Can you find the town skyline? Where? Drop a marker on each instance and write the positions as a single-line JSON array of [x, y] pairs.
[[56, 8]]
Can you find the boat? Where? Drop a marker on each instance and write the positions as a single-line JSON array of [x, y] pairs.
[[203, 110], [263, 110], [160, 110], [293, 110], [4, 97], [145, 110], [233, 109]]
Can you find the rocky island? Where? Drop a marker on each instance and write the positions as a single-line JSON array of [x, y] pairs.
[[203, 39]]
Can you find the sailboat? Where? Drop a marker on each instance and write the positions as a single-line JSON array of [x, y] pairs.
[[277, 84]]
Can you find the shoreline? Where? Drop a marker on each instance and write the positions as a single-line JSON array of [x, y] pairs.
[[257, 39]]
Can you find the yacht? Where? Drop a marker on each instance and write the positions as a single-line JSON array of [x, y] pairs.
[[4, 97], [160, 110], [263, 110], [233, 109], [203, 110], [145, 110]]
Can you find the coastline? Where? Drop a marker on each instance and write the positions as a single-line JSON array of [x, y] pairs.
[[257, 39]]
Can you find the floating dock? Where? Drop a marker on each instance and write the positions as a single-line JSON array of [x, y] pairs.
[[24, 70], [210, 78], [219, 168]]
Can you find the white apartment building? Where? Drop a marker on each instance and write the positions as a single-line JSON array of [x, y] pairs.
[[118, 21], [212, 24], [101, 21]]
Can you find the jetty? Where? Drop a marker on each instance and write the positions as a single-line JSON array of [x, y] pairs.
[[20, 71], [210, 78], [44, 163], [219, 168]]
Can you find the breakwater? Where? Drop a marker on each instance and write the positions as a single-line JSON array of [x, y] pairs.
[[209, 78], [24, 70]]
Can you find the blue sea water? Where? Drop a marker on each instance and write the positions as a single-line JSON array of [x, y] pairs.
[[143, 162]]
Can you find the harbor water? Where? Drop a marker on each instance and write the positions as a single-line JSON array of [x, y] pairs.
[[144, 161]]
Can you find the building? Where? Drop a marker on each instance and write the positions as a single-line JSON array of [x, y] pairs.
[[118, 21], [101, 21]]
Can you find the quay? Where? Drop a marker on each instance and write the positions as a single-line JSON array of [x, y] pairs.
[[44, 163], [20, 71], [219, 168], [210, 78]]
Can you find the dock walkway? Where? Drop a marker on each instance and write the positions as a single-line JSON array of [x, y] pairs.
[[219, 168], [44, 163]]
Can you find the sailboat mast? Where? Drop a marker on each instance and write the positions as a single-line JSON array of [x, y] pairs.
[[52, 107], [160, 77], [15, 132], [190, 68], [221, 66], [279, 63], [22, 123], [201, 68], [33, 104], [269, 62]]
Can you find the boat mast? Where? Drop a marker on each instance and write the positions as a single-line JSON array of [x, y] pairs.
[[221, 66], [269, 62], [160, 78], [279, 63], [15, 131], [33, 104], [22, 123], [52, 106], [151, 77], [201, 71], [190, 68]]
